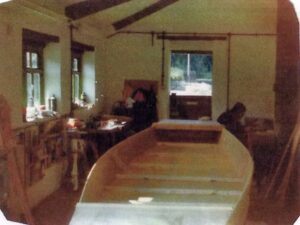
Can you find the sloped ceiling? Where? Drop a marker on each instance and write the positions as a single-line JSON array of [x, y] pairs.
[[108, 17], [125, 14], [57, 6], [117, 10]]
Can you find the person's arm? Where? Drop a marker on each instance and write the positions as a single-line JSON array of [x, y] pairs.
[[224, 118]]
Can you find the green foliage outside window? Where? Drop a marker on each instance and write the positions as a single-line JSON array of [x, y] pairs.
[[190, 70]]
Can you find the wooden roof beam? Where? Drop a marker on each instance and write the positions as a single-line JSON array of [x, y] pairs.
[[142, 13], [191, 38], [88, 7]]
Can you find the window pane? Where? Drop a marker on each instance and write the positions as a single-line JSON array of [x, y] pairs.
[[36, 89], [29, 88], [34, 60], [76, 86], [179, 65], [73, 91], [75, 64], [28, 64], [191, 74], [201, 67]]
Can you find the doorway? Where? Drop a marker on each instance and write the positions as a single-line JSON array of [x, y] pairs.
[[190, 84]]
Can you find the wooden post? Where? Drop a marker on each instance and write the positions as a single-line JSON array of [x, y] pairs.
[[163, 61]]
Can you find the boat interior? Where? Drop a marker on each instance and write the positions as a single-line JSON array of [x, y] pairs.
[[192, 172]]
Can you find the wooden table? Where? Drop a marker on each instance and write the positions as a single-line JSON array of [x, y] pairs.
[[80, 139]]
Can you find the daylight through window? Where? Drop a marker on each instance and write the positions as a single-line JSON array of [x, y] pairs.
[[33, 79], [191, 73], [76, 77]]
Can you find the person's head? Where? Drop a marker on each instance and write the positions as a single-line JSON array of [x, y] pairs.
[[238, 110]]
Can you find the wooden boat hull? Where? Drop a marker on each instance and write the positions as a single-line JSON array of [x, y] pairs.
[[176, 172]]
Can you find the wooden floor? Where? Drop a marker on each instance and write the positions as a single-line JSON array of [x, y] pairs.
[[57, 209]]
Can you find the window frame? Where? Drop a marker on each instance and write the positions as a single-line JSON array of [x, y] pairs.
[[77, 51], [33, 41], [76, 55], [38, 49], [190, 52]]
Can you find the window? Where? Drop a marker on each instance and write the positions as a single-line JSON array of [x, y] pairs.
[[33, 79], [81, 85], [33, 76], [34, 44], [76, 78], [191, 73]]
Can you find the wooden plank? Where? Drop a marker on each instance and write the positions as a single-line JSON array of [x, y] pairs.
[[86, 8], [9, 145], [38, 37], [178, 178], [142, 13], [218, 186], [182, 171], [191, 38], [188, 136], [120, 194], [172, 190], [183, 161], [193, 158]]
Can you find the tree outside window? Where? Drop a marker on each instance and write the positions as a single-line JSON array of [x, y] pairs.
[[191, 73]]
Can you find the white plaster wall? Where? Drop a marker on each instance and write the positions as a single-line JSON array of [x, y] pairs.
[[253, 74], [89, 84], [252, 59], [52, 75], [92, 68], [129, 57], [65, 64], [13, 18], [88, 72], [10, 72]]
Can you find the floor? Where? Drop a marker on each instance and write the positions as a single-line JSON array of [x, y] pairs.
[[272, 211], [58, 208]]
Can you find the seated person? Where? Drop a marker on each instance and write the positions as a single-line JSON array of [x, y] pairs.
[[140, 106], [231, 119], [144, 111]]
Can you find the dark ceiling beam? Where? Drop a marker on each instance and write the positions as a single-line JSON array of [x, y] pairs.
[[34, 37], [143, 13], [191, 38], [88, 7]]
